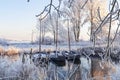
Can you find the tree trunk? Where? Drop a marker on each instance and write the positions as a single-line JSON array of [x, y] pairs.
[[91, 20], [76, 30]]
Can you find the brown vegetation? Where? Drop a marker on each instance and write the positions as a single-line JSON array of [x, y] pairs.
[[12, 51], [2, 51], [101, 70]]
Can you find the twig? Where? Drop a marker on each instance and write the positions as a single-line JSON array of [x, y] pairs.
[[99, 15], [108, 44], [84, 4], [74, 71], [115, 34], [106, 20], [49, 5]]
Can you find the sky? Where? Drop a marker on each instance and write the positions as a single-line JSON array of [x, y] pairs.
[[17, 18]]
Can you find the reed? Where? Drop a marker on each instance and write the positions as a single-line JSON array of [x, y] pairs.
[[12, 51]]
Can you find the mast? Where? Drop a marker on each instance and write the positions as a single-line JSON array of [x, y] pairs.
[[40, 36], [56, 41], [32, 35], [68, 36]]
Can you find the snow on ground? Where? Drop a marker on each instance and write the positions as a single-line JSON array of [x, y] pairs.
[[115, 76], [26, 46], [3, 41], [15, 69]]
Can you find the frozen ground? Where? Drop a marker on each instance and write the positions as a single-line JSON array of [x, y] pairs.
[[26, 46]]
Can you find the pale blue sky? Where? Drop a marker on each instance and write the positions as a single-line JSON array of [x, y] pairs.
[[17, 18]]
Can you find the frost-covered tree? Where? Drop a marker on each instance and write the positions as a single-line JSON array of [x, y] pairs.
[[77, 15], [48, 28], [97, 10]]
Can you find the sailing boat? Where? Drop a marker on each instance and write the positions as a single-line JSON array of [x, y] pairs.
[[71, 55], [57, 56], [40, 57]]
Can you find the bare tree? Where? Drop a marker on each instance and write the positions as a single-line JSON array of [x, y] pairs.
[[76, 14], [74, 5], [96, 11], [110, 17], [53, 23]]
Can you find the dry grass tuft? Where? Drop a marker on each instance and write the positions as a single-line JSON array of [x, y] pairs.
[[12, 51], [2, 51], [100, 70]]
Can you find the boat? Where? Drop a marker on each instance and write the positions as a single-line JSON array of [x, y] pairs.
[[40, 58], [57, 58], [71, 55]]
